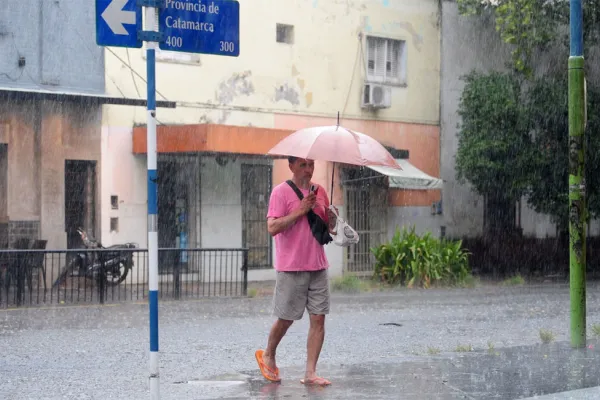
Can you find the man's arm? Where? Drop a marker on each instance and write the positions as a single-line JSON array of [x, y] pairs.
[[278, 225]]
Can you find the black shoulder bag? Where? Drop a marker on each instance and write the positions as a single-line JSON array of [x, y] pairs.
[[319, 228]]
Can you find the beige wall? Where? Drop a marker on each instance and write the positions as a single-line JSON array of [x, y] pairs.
[[321, 73], [68, 133]]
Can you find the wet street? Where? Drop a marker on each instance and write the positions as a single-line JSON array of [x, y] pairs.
[[481, 343]]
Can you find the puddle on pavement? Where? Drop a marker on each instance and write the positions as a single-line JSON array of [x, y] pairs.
[[506, 373]]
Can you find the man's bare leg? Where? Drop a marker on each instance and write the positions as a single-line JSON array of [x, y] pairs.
[[316, 336], [278, 331]]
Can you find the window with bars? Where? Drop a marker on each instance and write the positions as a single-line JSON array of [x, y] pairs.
[[386, 60]]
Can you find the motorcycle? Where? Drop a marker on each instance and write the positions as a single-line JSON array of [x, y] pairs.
[[115, 265]]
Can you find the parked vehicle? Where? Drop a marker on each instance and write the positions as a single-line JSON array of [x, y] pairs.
[[113, 262]]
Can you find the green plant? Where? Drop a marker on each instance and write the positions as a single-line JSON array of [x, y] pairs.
[[252, 292], [596, 330], [348, 284], [529, 26], [491, 347], [546, 336], [515, 280], [470, 281], [433, 350], [410, 259], [464, 349], [494, 129]]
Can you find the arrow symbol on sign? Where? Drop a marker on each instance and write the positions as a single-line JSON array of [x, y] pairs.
[[116, 17]]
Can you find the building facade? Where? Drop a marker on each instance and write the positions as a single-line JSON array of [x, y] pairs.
[[376, 63], [51, 77]]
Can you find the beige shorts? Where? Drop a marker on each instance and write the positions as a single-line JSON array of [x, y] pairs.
[[295, 291]]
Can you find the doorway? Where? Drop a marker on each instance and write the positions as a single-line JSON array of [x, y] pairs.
[[256, 190], [80, 200], [366, 195], [179, 205], [3, 196]]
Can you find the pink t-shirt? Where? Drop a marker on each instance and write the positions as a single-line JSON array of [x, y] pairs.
[[296, 249]]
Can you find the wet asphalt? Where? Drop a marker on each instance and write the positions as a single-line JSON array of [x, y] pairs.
[[405, 344]]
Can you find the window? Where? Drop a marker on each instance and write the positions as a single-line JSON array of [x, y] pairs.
[[285, 34], [114, 224], [114, 202], [386, 60]]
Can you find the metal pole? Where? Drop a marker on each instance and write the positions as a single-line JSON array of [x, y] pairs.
[[577, 201], [151, 25]]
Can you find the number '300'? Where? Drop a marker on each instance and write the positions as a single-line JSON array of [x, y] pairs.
[[228, 47]]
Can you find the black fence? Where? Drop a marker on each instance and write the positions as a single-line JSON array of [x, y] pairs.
[[44, 277]]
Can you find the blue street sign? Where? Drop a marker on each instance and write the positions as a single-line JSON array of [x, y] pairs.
[[117, 23], [201, 26]]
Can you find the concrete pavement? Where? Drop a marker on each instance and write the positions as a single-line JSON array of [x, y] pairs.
[[405, 344]]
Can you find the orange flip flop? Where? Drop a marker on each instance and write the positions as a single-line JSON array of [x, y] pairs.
[[318, 381], [267, 372]]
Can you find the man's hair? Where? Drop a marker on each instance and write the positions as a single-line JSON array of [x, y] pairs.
[[292, 160]]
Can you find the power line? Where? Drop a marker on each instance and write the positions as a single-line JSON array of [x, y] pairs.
[[134, 71], [358, 51], [133, 77]]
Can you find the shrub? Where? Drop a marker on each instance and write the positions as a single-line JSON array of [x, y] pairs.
[[348, 284], [410, 259], [547, 336]]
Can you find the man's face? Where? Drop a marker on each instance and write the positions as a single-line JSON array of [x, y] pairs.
[[303, 169]]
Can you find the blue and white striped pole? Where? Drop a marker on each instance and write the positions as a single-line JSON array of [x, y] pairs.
[[151, 22]]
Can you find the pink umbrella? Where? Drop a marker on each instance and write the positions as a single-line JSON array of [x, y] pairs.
[[336, 144]]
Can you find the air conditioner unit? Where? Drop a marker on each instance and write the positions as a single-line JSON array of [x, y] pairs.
[[376, 96]]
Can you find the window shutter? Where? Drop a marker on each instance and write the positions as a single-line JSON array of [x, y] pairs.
[[380, 56], [392, 67], [370, 56]]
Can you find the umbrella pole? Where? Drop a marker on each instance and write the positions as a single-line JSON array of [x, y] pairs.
[[332, 175], [333, 164]]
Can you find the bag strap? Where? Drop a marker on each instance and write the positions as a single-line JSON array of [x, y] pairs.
[[295, 188]]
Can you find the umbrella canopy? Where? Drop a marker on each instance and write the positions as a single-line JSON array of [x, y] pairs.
[[336, 144]]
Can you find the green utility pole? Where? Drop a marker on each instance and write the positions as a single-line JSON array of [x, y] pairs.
[[577, 200]]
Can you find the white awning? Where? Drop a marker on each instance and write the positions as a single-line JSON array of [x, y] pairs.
[[409, 177]]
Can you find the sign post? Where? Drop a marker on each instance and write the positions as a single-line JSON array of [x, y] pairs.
[[193, 26], [152, 205], [577, 197]]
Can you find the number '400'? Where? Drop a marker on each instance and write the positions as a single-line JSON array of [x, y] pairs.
[[228, 47], [174, 41]]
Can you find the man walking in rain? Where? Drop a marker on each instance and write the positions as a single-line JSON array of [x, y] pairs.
[[301, 265]]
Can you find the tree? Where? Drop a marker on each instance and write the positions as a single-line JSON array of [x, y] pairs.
[[534, 25], [494, 144], [548, 116], [514, 142]]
